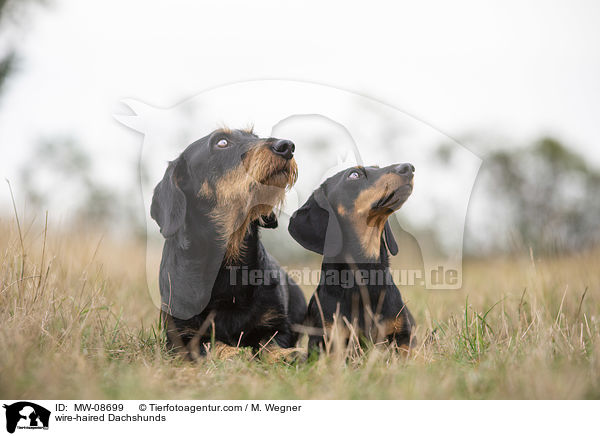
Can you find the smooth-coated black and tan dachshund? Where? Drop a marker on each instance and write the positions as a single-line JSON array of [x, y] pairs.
[[345, 220], [209, 206]]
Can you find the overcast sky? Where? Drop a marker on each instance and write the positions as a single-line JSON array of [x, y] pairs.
[[501, 69]]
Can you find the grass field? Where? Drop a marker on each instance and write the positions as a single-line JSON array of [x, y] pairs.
[[77, 322]]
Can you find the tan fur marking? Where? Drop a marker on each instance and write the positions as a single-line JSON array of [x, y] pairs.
[[369, 226], [269, 318], [224, 129], [393, 326], [223, 351], [273, 353], [341, 210], [205, 190], [175, 337], [250, 190]]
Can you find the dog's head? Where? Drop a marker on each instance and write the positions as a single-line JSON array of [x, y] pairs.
[[230, 177], [348, 213]]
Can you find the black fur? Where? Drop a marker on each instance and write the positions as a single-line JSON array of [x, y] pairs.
[[197, 290], [257, 311], [326, 224]]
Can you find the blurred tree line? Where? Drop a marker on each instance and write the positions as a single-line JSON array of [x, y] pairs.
[[542, 196], [13, 13], [62, 168], [63, 175], [549, 195]]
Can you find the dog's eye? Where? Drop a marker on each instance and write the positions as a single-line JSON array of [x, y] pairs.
[[222, 143], [354, 175]]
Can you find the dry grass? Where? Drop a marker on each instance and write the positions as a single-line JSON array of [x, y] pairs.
[[77, 322]]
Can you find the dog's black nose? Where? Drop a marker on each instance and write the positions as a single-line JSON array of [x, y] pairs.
[[405, 169], [284, 148]]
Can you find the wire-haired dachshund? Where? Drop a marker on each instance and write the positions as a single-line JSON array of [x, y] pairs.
[[209, 206], [345, 220]]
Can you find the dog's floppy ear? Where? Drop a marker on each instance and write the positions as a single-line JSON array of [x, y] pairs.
[[315, 226], [390, 241], [268, 221], [168, 202], [186, 279]]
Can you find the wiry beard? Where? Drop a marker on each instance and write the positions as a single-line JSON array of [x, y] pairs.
[[250, 191], [268, 169]]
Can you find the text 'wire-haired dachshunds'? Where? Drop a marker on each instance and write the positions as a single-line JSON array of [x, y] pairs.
[[345, 220], [209, 206]]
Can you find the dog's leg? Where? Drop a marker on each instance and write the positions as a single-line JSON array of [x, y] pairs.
[[221, 351], [175, 342], [273, 353], [279, 347]]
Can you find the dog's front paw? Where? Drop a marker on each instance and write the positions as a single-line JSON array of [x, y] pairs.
[[274, 354], [221, 351]]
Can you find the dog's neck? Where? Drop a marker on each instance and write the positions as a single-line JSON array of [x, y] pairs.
[[353, 275], [362, 243], [351, 257], [362, 233], [361, 254], [204, 234]]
